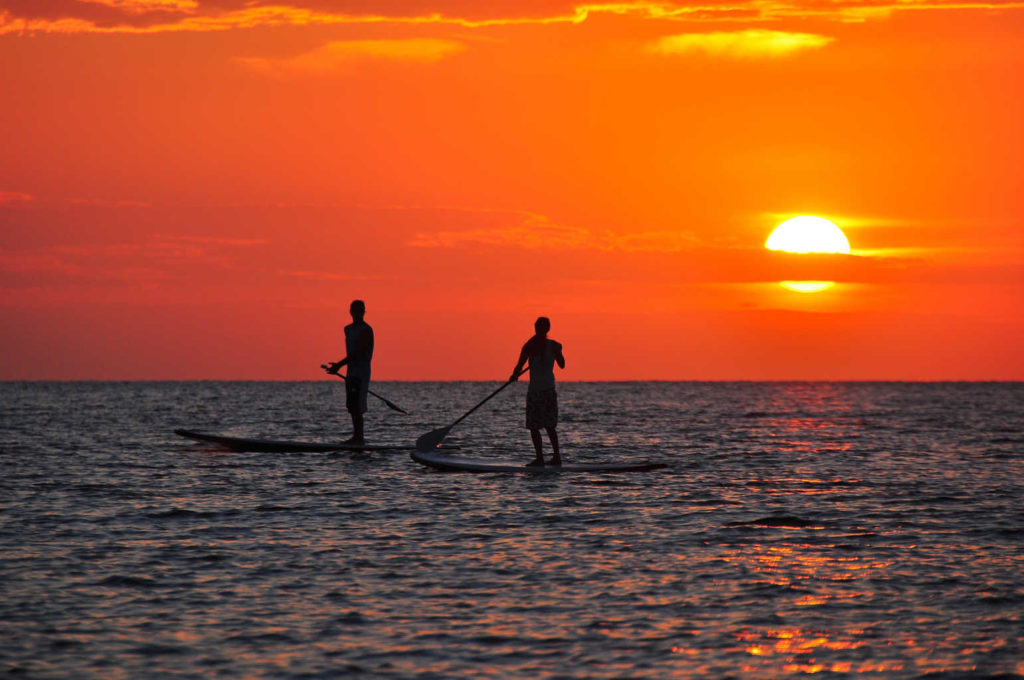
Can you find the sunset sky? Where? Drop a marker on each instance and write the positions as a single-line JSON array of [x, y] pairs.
[[196, 189]]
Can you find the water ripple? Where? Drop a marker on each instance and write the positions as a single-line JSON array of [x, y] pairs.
[[801, 528]]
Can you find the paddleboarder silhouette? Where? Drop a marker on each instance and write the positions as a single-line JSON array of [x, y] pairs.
[[358, 353], [541, 398]]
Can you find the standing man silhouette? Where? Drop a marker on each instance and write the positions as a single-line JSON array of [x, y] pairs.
[[358, 353], [541, 398]]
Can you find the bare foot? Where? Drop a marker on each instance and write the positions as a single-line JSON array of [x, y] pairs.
[[539, 462]]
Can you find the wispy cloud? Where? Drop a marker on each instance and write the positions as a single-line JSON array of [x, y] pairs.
[[337, 55], [14, 196], [158, 16], [536, 232], [119, 260], [142, 6], [751, 44], [98, 202], [319, 276]]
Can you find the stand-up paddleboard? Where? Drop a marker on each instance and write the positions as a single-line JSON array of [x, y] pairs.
[[279, 446], [449, 463]]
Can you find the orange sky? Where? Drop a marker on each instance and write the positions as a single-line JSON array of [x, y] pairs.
[[198, 188]]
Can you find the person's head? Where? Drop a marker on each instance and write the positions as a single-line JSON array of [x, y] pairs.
[[357, 309], [542, 325]]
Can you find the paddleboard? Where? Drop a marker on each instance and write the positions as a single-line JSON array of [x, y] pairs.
[[444, 461], [283, 446]]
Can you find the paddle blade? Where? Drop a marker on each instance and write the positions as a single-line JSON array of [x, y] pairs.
[[392, 405], [432, 440]]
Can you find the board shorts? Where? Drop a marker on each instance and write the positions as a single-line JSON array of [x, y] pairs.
[[355, 394], [542, 409]]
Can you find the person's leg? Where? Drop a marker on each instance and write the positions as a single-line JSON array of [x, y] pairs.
[[556, 458], [532, 406], [551, 422], [357, 428], [353, 402], [537, 446]]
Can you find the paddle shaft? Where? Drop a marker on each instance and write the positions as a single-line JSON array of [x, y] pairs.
[[489, 397], [390, 405], [431, 440]]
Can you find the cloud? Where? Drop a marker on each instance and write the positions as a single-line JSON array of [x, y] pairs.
[[118, 261], [536, 232], [26, 17], [144, 6], [104, 203], [751, 44], [320, 276], [14, 196], [336, 55]]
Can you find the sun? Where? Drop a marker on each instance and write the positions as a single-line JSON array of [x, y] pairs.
[[808, 234], [807, 286]]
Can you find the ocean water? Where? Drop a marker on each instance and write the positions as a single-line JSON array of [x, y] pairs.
[[840, 529]]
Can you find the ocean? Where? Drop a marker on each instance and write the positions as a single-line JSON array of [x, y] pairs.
[[841, 529]]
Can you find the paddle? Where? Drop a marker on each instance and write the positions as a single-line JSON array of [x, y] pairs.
[[390, 404], [433, 439]]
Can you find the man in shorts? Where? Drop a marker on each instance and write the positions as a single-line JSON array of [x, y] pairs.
[[358, 353], [541, 399]]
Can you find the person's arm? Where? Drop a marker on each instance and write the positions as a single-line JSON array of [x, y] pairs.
[[559, 357], [519, 365], [336, 366]]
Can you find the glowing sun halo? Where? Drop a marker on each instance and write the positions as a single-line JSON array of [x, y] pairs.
[[808, 234]]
